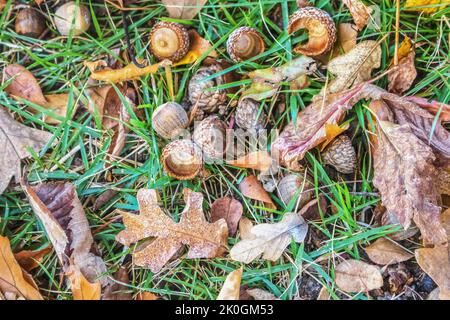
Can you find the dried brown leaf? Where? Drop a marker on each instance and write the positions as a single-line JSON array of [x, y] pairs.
[[270, 240], [183, 9], [118, 290], [15, 138], [357, 276], [245, 229], [252, 188], [386, 252], [232, 286], [402, 78], [13, 280], [82, 289], [23, 84], [146, 296], [257, 160], [205, 240], [260, 294], [433, 107], [30, 260], [359, 11], [230, 210]]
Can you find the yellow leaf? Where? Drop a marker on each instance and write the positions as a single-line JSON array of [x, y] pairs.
[[82, 289], [332, 131], [426, 6], [258, 160], [231, 286]]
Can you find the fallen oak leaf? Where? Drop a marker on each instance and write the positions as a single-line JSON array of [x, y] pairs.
[[209, 242], [230, 210], [270, 240], [16, 138], [232, 286], [405, 72], [118, 290], [357, 276], [252, 188], [29, 259], [359, 11], [257, 160], [386, 252], [434, 107], [184, 9], [13, 281], [82, 289], [426, 6]]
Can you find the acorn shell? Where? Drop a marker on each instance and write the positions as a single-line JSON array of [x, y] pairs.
[[182, 159], [30, 23], [169, 119], [341, 155], [321, 30], [169, 40], [293, 185], [245, 43], [210, 136], [71, 17]]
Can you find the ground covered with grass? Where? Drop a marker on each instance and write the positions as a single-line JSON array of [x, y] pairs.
[[79, 150]]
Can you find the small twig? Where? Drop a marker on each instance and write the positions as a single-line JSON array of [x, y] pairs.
[[397, 31], [127, 39]]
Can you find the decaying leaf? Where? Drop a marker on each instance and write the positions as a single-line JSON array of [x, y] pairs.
[[252, 188], [118, 289], [433, 107], [245, 229], [15, 139], [29, 260], [346, 39], [270, 240], [386, 252], [359, 11], [257, 160], [66, 225], [436, 263], [82, 289], [266, 82], [405, 73], [405, 176], [184, 9], [146, 296], [357, 276], [354, 67], [232, 286], [260, 294], [205, 240], [14, 283], [426, 6], [230, 210]]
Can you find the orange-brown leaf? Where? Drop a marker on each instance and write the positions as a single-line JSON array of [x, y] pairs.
[[252, 188], [232, 286], [23, 84], [357, 276], [359, 11], [81, 288], [29, 259], [230, 210], [386, 252], [257, 160]]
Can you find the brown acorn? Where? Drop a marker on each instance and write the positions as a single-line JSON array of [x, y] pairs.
[[72, 17], [202, 99], [210, 136], [248, 115], [341, 155], [182, 159], [30, 23], [294, 185], [321, 30], [169, 40], [169, 119], [245, 43]]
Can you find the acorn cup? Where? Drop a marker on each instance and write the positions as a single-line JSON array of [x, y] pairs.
[[248, 115], [321, 30], [169, 40], [210, 136], [72, 17], [182, 159], [245, 43], [341, 155], [30, 23], [169, 120]]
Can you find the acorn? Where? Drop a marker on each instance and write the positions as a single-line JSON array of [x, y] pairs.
[[30, 23], [294, 185], [202, 99], [182, 159], [72, 17], [321, 30], [169, 120], [248, 115], [341, 155], [245, 43], [169, 40], [210, 136]]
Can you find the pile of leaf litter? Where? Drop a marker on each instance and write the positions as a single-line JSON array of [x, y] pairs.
[[96, 203]]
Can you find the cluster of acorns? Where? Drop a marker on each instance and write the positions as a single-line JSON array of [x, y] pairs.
[[182, 159]]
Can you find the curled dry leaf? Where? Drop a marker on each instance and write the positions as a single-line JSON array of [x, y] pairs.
[[386, 252], [405, 72], [205, 240], [245, 229], [232, 286], [359, 11], [260, 294], [230, 210], [252, 188], [30, 260], [66, 225], [82, 289], [14, 282], [184, 9], [266, 82], [346, 38], [257, 160], [354, 67], [16, 139], [357, 276], [433, 107], [270, 240], [426, 6]]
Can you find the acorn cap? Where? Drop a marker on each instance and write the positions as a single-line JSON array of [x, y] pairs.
[[321, 30], [182, 159], [340, 154], [169, 40], [210, 136], [245, 43]]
